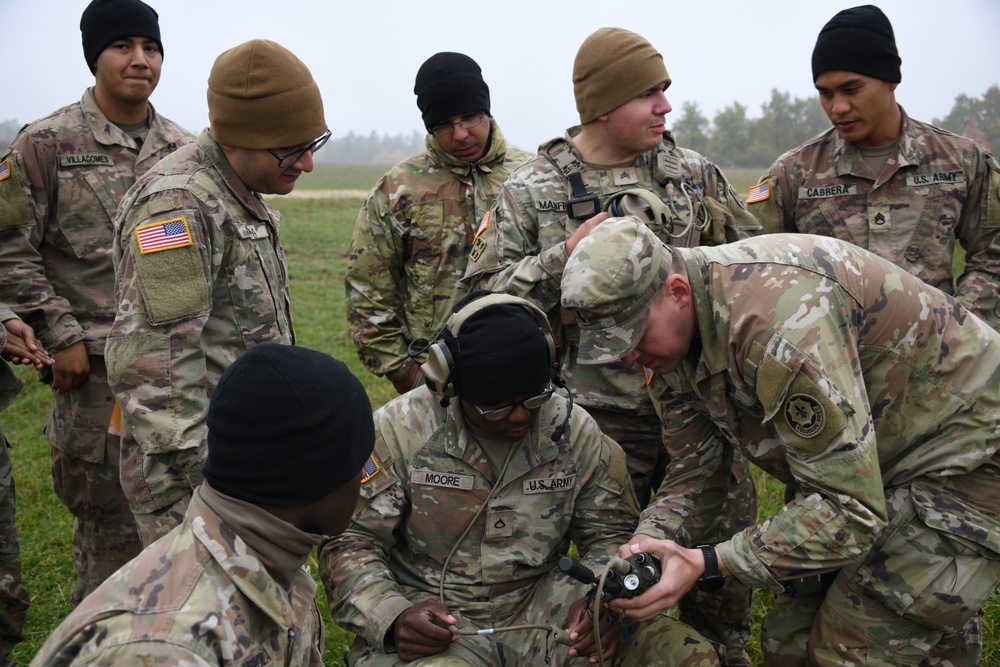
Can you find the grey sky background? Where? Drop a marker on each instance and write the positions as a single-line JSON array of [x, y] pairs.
[[364, 55]]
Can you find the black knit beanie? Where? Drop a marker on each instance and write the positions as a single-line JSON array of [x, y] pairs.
[[104, 21], [286, 426], [859, 39], [500, 353], [449, 84]]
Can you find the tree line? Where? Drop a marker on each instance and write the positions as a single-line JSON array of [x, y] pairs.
[[732, 138]]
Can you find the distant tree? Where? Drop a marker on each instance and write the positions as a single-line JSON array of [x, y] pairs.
[[784, 124], [8, 130], [978, 119], [692, 128], [730, 141]]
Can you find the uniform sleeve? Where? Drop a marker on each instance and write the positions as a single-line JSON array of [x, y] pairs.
[[375, 309], [817, 406], [694, 488], [979, 233], [731, 221], [362, 591], [156, 360], [769, 201], [132, 653], [508, 254], [605, 511], [26, 198]]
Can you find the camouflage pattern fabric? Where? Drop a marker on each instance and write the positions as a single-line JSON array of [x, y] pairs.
[[60, 185], [105, 535], [520, 249], [187, 309], [200, 596], [426, 479], [411, 245], [937, 190], [871, 394], [14, 599]]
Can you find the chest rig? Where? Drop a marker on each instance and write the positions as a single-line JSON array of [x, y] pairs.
[[676, 211]]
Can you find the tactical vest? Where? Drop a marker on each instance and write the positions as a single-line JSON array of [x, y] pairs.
[[695, 217]]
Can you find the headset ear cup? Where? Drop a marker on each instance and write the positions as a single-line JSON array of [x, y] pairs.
[[438, 370]]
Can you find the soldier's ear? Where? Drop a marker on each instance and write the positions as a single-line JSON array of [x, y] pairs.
[[678, 288]]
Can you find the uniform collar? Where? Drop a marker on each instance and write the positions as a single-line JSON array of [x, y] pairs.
[[494, 155]]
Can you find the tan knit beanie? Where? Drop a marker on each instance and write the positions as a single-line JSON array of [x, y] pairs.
[[612, 67], [261, 96]]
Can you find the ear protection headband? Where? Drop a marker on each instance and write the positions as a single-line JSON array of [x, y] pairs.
[[439, 368], [641, 203]]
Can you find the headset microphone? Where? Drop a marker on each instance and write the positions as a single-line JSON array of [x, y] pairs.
[[561, 429]]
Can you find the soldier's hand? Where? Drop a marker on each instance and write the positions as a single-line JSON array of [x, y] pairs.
[[71, 368], [422, 630], [581, 631], [680, 571], [22, 347], [584, 229]]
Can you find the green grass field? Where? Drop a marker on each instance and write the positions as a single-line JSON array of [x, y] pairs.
[[316, 234]]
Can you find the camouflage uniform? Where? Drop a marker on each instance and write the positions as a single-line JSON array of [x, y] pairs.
[[520, 249], [67, 174], [200, 596], [942, 189], [14, 599], [874, 397], [504, 570], [185, 313], [410, 248]]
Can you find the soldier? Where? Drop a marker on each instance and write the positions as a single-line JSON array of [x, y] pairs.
[[227, 587], [413, 234], [60, 185], [905, 190], [201, 272], [467, 505], [620, 149], [870, 394], [18, 345]]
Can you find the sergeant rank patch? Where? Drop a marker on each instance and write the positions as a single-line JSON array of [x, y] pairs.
[[157, 236], [805, 415]]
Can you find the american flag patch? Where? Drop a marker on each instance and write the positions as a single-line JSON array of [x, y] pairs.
[[759, 192], [4, 169], [165, 235], [371, 469]]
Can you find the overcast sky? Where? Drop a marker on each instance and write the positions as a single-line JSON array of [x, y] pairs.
[[364, 54]]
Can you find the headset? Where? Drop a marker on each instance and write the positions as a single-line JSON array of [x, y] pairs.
[[652, 210], [439, 369]]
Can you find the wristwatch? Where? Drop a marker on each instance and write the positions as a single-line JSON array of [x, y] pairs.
[[712, 579]]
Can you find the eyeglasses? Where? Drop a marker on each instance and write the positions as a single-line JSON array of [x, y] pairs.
[[294, 156], [530, 403], [466, 122]]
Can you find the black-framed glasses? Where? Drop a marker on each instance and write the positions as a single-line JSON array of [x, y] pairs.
[[466, 122], [293, 156], [530, 403]]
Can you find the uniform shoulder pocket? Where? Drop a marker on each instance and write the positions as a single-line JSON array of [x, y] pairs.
[[800, 402], [169, 266], [15, 209]]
